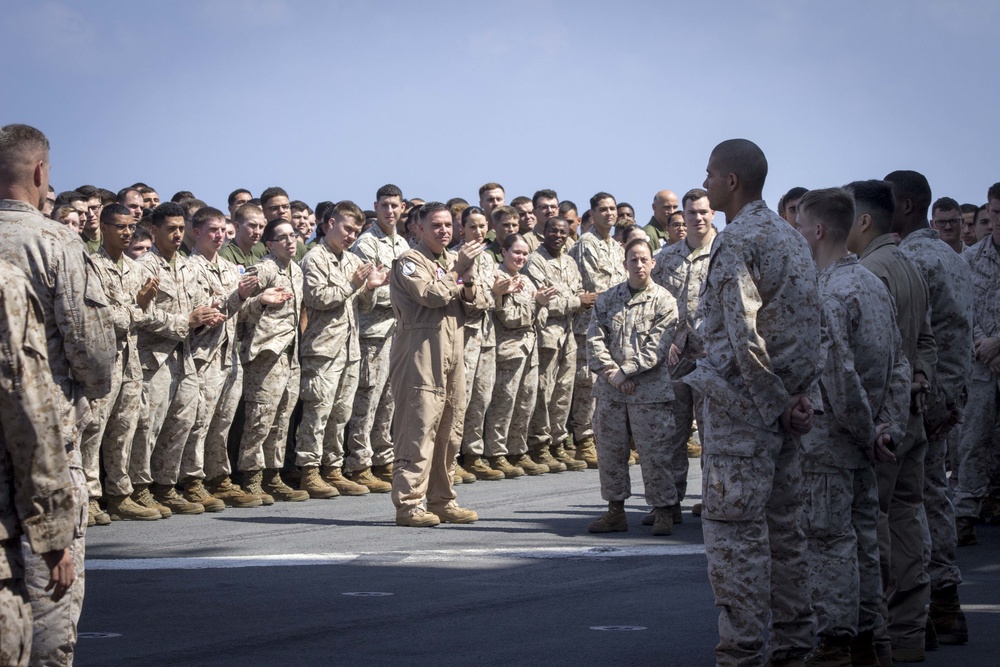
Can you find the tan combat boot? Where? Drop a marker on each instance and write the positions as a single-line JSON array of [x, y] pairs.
[[463, 475], [383, 473], [95, 515], [612, 521], [693, 448], [276, 486], [452, 513], [529, 467], [335, 478], [316, 486], [542, 456], [253, 481], [418, 518], [142, 497], [195, 492], [675, 511], [663, 521], [696, 509], [474, 465], [501, 464], [167, 495], [123, 508], [456, 479], [586, 451], [560, 454], [366, 478], [231, 494]]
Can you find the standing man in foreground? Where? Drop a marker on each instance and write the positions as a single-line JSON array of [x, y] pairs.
[[761, 319], [432, 290], [81, 353]]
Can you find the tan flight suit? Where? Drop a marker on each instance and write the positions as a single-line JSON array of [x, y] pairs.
[[556, 347], [480, 359], [428, 377], [270, 354], [602, 266], [116, 416], [170, 393], [682, 271], [81, 351], [760, 322], [369, 440], [632, 333], [516, 387], [330, 353], [220, 376]]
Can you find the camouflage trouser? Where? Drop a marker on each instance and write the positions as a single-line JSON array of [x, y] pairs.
[[651, 425], [169, 409], [751, 519], [90, 442], [480, 377], [270, 389], [683, 407], [369, 436], [582, 410], [954, 443], [54, 623], [977, 453], [205, 454], [840, 519], [902, 529], [15, 623], [328, 387], [427, 442], [555, 391], [112, 430], [939, 556], [510, 409]]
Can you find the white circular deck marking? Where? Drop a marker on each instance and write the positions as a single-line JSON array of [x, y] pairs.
[[98, 635], [367, 594], [618, 628]]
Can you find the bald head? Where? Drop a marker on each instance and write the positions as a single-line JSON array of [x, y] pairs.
[[664, 204], [745, 160], [24, 164]]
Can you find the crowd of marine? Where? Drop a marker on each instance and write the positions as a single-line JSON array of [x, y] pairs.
[[834, 367]]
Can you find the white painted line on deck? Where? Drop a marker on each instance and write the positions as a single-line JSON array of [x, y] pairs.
[[392, 557]]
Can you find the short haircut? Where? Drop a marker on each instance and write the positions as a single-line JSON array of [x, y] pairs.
[[595, 200], [167, 209], [269, 232], [874, 197], [566, 206], [204, 214], [946, 204], [694, 194], [236, 193], [388, 190], [124, 192], [501, 212], [347, 209], [20, 147], [112, 210], [993, 192], [486, 187], [517, 201], [298, 206], [431, 207], [245, 212], [178, 196], [968, 208], [138, 184], [912, 185], [69, 197], [471, 211], [270, 193], [555, 218], [59, 213], [543, 194], [321, 209], [834, 207], [455, 201], [141, 234], [746, 160], [794, 193], [107, 196], [457, 208], [511, 239], [624, 230], [625, 204], [88, 191], [145, 190], [192, 205], [638, 242]]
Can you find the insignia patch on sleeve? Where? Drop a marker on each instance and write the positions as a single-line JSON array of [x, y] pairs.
[[408, 268]]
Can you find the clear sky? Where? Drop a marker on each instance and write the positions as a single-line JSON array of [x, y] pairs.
[[331, 100]]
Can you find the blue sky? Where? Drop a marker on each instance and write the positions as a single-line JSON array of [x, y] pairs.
[[330, 100]]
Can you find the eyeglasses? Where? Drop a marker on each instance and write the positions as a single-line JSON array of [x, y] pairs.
[[283, 239], [946, 223], [123, 228]]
